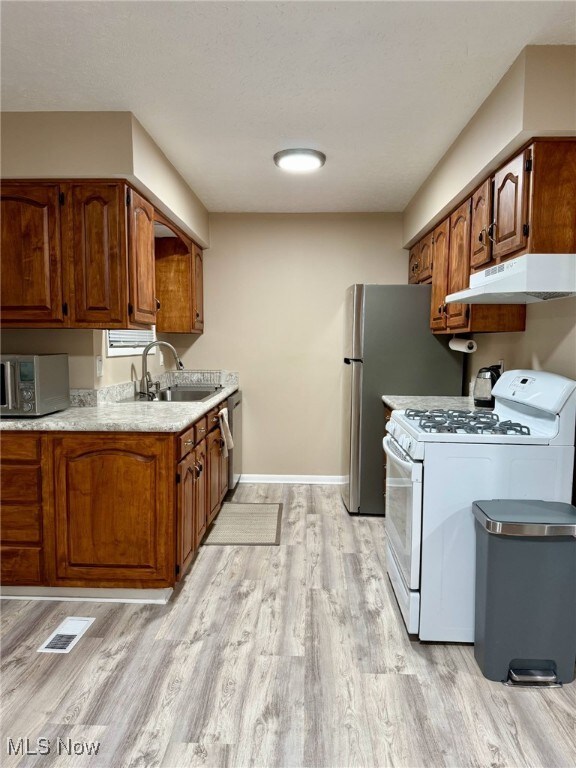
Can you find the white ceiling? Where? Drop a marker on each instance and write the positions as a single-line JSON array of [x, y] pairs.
[[382, 88]]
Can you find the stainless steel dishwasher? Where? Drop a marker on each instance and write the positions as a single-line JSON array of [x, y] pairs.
[[234, 405]]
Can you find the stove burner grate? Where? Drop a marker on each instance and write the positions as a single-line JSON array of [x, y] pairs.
[[451, 421]]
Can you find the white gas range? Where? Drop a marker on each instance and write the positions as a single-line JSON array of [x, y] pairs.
[[439, 462]]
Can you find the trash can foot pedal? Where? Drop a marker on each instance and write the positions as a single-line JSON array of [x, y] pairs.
[[533, 677]]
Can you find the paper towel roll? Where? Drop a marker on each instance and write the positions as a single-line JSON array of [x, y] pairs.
[[463, 345]]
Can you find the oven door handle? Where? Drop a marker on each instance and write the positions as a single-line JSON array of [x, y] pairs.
[[394, 453]]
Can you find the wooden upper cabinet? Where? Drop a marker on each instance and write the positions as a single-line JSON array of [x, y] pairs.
[[425, 259], [98, 257], [457, 315], [440, 254], [198, 289], [141, 261], [552, 202], [414, 264], [511, 188], [481, 246], [420, 261], [31, 284], [178, 282]]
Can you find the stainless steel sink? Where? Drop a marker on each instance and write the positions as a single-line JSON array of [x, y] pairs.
[[187, 394]]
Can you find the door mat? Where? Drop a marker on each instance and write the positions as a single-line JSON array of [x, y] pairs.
[[246, 525]]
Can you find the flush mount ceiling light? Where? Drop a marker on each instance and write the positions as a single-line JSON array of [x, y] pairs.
[[299, 160]]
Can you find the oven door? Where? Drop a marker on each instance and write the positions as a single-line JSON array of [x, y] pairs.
[[404, 510]]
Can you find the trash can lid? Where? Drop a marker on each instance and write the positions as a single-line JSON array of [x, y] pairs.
[[522, 517]]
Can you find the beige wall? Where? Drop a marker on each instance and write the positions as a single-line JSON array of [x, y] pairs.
[[38, 145], [548, 344], [274, 292], [77, 344], [536, 97], [82, 348], [166, 188]]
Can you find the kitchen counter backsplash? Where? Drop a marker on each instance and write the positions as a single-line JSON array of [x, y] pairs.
[[115, 393], [427, 402]]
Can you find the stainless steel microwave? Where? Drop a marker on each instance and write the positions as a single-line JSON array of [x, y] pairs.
[[33, 385]]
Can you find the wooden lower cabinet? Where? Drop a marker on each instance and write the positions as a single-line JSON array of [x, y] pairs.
[[217, 472], [113, 520], [24, 493], [126, 510]]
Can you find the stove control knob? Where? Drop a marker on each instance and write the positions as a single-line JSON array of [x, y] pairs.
[[27, 406], [27, 394], [408, 445]]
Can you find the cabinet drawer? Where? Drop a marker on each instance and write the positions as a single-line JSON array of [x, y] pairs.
[[20, 484], [200, 429], [20, 447], [21, 565], [20, 523], [213, 420], [193, 435]]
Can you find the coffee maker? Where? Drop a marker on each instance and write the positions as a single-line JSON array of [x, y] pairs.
[[485, 380]]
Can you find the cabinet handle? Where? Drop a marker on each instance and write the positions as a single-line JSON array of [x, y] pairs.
[[490, 231], [197, 315], [158, 305], [201, 429], [188, 443], [215, 419], [481, 235]]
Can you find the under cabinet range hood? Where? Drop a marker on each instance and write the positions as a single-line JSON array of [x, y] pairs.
[[524, 280]]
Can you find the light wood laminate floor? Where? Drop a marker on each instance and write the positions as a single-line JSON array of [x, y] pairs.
[[271, 656]]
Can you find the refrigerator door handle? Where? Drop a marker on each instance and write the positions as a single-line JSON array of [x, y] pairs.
[[349, 360]]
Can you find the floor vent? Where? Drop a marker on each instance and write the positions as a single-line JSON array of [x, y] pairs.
[[65, 637]]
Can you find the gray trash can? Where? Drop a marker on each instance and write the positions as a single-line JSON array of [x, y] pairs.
[[525, 590]]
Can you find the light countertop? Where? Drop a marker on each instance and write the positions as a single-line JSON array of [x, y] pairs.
[[426, 402], [137, 416]]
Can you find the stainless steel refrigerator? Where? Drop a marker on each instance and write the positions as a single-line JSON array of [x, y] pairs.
[[389, 349]]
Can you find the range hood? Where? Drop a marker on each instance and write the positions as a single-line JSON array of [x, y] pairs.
[[525, 280]]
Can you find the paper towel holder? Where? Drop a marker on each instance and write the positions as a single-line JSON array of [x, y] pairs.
[[468, 346]]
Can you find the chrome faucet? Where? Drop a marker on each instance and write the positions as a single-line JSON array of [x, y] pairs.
[[146, 382]]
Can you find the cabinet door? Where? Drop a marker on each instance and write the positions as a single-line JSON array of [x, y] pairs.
[[31, 284], [107, 533], [481, 247], [98, 256], [510, 207], [414, 264], [198, 289], [141, 261], [441, 239], [174, 267], [425, 259], [223, 471], [201, 494], [188, 474], [459, 264], [213, 479]]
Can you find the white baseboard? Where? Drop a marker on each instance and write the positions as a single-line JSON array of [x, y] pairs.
[[88, 594], [294, 479]]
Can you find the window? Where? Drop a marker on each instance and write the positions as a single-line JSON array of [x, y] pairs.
[[123, 343]]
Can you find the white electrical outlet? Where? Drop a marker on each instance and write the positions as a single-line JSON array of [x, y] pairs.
[[501, 364], [99, 366]]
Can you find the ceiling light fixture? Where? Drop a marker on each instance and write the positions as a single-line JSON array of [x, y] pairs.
[[299, 160]]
